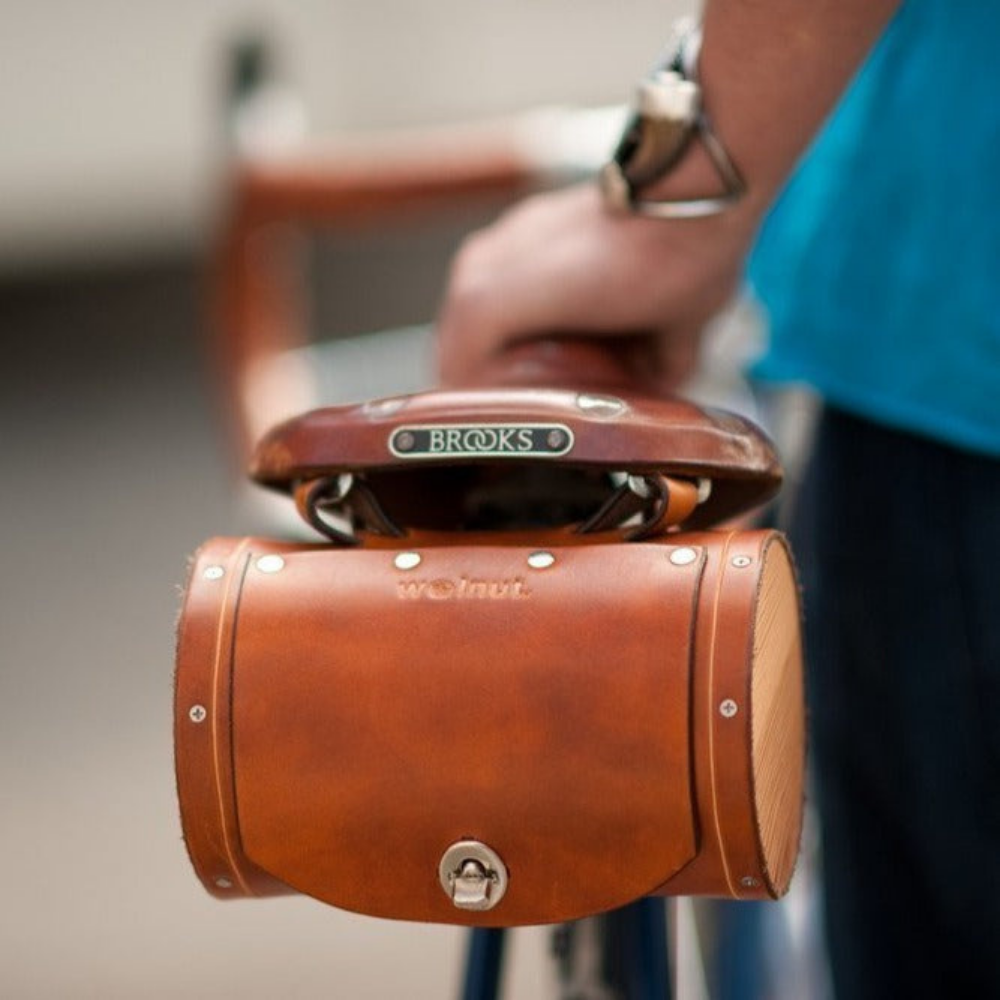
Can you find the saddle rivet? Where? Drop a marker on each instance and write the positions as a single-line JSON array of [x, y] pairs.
[[541, 560], [383, 407], [407, 560], [749, 882], [213, 573], [600, 406], [741, 561], [197, 713], [683, 556], [224, 883], [404, 441], [728, 708]]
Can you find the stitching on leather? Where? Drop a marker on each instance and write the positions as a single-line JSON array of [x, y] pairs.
[[227, 619], [724, 558]]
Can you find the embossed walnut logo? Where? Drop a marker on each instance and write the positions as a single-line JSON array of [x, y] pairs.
[[465, 588]]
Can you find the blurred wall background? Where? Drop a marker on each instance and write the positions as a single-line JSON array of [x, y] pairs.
[[114, 465], [110, 110]]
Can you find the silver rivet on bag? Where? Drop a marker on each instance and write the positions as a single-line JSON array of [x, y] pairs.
[[473, 875], [541, 560], [741, 561], [683, 556], [197, 713], [270, 564], [749, 882], [728, 708], [224, 883], [213, 573], [407, 560]]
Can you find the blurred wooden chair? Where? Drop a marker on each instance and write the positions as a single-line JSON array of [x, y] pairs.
[[359, 184]]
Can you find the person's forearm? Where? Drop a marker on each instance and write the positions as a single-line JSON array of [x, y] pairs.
[[771, 71]]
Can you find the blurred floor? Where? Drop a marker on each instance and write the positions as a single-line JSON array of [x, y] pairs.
[[114, 470]]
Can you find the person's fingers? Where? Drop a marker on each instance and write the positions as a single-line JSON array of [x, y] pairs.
[[553, 266], [659, 362], [676, 358], [559, 265]]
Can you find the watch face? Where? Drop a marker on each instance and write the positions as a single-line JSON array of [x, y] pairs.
[[657, 145], [668, 117]]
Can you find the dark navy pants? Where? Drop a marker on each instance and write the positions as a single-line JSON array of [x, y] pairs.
[[898, 541]]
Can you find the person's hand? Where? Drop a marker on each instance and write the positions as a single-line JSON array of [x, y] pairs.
[[561, 264]]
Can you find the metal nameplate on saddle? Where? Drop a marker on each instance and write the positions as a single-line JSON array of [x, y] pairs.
[[446, 440], [527, 673]]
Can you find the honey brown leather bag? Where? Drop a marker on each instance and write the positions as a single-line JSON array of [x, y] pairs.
[[527, 675]]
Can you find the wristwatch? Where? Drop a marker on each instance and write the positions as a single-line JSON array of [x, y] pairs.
[[667, 117]]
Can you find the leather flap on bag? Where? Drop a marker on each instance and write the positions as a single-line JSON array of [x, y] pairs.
[[385, 708], [421, 433]]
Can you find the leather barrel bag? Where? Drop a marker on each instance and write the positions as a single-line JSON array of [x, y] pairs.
[[527, 675]]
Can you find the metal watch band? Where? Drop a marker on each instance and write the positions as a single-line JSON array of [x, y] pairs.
[[667, 118]]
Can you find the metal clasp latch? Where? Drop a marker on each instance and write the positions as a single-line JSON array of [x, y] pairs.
[[471, 887], [473, 875]]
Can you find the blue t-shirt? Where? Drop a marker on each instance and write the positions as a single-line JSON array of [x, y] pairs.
[[879, 266]]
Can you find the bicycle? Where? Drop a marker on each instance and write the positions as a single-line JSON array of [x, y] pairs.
[[621, 955]]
